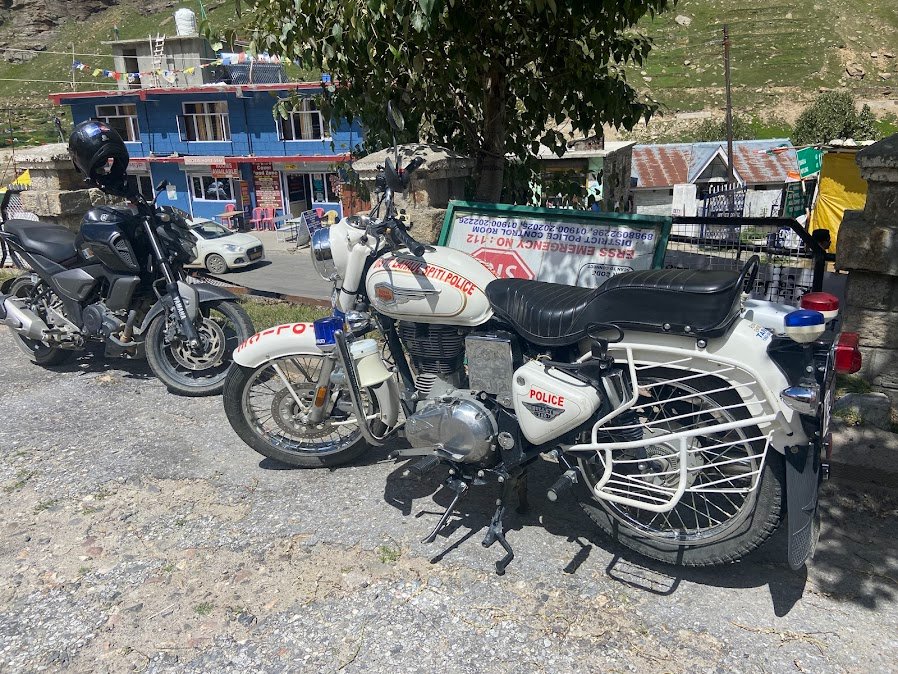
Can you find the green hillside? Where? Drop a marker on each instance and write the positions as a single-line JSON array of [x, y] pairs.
[[782, 54]]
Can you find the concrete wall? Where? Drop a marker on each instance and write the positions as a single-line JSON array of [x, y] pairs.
[[179, 53], [652, 202]]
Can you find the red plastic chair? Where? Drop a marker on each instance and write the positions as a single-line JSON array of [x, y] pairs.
[[268, 218], [229, 222], [258, 218]]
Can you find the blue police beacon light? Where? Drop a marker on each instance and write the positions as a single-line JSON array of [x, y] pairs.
[[804, 325]]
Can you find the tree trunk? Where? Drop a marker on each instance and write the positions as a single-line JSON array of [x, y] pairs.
[[490, 169]]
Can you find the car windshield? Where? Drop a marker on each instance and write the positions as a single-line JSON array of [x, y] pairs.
[[210, 230]]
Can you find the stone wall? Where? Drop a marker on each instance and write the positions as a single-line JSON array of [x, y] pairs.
[[868, 249], [440, 179], [58, 193]]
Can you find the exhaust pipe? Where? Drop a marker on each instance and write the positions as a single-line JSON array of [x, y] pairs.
[[21, 320]]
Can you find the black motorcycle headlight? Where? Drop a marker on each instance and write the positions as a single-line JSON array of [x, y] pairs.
[[322, 256]]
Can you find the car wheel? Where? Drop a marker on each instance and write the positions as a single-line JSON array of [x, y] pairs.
[[216, 264]]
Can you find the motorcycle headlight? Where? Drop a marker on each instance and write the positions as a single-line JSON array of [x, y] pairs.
[[322, 256], [231, 248]]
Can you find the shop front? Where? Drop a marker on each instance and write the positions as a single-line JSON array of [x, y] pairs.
[[312, 189]]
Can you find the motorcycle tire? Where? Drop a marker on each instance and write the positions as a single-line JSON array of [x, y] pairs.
[[278, 440], [184, 373], [37, 352], [759, 517]]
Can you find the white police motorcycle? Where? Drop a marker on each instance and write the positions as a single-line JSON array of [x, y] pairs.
[[688, 431]]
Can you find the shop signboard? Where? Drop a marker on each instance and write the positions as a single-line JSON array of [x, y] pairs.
[[810, 159], [582, 248], [267, 183], [225, 171], [203, 160]]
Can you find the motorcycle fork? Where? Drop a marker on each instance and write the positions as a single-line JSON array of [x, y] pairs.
[[322, 390]]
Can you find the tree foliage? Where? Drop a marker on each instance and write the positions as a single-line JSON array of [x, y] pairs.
[[485, 77], [834, 115]]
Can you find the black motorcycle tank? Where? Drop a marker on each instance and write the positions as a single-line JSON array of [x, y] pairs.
[[109, 233]]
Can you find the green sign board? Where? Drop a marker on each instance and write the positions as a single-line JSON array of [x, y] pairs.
[[809, 161], [582, 248]]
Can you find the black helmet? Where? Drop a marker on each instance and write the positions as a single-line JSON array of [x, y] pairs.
[[99, 153]]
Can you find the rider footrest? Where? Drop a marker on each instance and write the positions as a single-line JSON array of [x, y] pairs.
[[567, 480], [420, 468]]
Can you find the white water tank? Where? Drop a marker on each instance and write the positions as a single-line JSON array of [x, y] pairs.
[[185, 22]]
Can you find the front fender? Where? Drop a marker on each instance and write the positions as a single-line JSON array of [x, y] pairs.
[[281, 340], [298, 339], [210, 293]]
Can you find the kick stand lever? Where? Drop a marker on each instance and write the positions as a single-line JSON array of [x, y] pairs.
[[460, 488], [495, 531]]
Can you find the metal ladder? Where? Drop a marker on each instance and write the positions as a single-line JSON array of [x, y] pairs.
[[158, 47]]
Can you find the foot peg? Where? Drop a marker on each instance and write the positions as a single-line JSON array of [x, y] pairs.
[[420, 468], [563, 484]]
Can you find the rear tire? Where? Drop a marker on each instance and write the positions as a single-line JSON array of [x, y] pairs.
[[275, 440], [679, 537], [167, 360], [37, 352]]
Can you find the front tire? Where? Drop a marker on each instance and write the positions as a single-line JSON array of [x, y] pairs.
[[38, 352], [225, 325], [704, 528], [263, 412], [216, 264]]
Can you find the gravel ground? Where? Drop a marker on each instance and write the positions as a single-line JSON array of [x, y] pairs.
[[137, 533]]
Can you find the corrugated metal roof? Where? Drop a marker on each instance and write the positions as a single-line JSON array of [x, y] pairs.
[[658, 166]]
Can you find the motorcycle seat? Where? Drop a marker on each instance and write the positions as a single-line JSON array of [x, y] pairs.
[[54, 242], [678, 301]]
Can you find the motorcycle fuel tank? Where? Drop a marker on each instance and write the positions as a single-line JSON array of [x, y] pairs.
[[443, 286]]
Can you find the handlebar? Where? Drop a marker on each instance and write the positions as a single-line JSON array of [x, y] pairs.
[[401, 237]]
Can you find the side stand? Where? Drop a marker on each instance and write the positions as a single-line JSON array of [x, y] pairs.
[[460, 488], [495, 532]]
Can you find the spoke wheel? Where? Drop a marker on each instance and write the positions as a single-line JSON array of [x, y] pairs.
[[705, 527], [268, 407]]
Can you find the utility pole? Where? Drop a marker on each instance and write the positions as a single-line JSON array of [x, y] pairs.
[[726, 69]]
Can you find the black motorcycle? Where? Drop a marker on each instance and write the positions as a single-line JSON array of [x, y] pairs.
[[120, 280]]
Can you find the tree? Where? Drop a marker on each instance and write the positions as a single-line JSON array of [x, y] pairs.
[[833, 115], [487, 78]]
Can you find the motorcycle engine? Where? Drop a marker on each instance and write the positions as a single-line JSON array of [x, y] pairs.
[[457, 405], [462, 426], [98, 320]]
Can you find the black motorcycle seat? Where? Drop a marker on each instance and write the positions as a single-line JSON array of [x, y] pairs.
[[679, 301], [54, 242]]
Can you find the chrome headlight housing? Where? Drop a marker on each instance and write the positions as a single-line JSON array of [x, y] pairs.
[[322, 256]]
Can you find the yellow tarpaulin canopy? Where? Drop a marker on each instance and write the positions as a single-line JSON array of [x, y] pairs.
[[24, 179], [841, 189]]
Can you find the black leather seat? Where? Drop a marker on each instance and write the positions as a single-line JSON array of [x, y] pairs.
[[686, 302], [52, 241]]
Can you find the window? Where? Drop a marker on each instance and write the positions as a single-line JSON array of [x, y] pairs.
[[145, 187], [122, 118], [210, 188], [206, 122], [306, 123], [206, 229]]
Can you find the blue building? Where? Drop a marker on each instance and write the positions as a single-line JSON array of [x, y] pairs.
[[219, 145]]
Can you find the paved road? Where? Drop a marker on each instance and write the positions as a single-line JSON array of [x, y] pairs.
[[284, 273], [137, 533]]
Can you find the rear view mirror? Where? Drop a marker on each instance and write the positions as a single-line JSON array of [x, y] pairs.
[[394, 117]]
